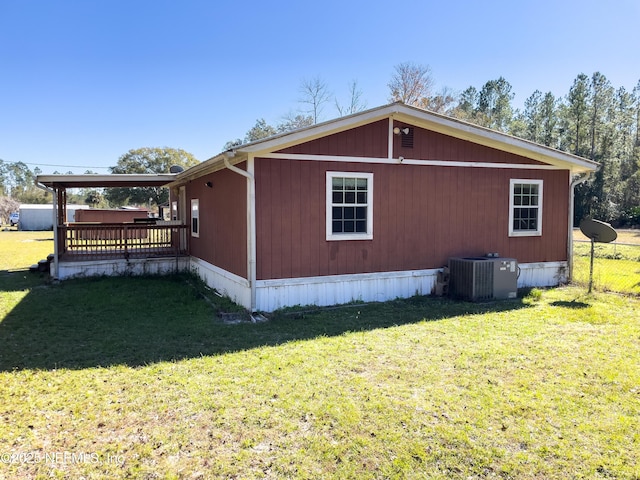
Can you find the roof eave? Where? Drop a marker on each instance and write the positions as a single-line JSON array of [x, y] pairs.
[[106, 180], [398, 111]]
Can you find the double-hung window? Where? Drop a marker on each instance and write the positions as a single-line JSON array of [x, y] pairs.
[[525, 208], [349, 206]]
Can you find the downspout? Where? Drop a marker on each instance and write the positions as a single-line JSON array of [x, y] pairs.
[[54, 274], [251, 220], [574, 183]]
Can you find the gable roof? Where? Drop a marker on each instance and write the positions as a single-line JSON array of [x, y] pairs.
[[407, 114]]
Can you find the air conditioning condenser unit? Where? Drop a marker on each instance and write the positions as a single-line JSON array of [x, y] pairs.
[[483, 278]]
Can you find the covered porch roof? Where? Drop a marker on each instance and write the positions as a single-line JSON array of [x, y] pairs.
[[61, 181]]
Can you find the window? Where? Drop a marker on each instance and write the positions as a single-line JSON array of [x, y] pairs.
[[525, 208], [349, 206], [195, 217], [174, 210]]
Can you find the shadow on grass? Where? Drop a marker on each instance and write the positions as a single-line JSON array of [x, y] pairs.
[[21, 279], [136, 321], [572, 304]]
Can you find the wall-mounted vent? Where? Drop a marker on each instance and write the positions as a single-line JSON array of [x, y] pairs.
[[407, 138]]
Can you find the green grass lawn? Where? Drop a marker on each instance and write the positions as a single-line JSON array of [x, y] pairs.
[[139, 378], [22, 249]]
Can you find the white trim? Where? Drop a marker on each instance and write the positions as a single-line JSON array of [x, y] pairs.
[[330, 236], [525, 233], [446, 163], [120, 266], [543, 274], [229, 284], [340, 289], [408, 161], [251, 229], [251, 220], [106, 180], [380, 286], [390, 139]]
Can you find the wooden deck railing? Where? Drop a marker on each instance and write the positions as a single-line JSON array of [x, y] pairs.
[[121, 240]]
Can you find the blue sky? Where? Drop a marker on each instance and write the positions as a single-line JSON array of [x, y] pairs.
[[83, 82]]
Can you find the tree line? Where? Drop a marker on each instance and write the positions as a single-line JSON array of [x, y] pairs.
[[17, 182], [594, 120]]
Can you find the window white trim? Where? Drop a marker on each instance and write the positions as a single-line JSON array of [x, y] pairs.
[[366, 235], [195, 217], [513, 232]]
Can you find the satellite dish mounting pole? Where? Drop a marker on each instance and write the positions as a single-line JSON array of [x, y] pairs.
[[596, 231], [593, 242]]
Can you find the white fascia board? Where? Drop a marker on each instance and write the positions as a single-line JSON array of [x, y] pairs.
[[206, 167], [108, 178], [317, 131]]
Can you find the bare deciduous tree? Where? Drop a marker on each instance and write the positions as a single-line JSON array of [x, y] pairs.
[[356, 104], [315, 94], [411, 84]]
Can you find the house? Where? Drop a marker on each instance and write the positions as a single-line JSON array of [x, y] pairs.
[[366, 207], [371, 206], [110, 215]]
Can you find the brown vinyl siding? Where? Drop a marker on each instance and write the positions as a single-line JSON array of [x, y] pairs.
[[366, 141], [429, 145], [371, 141], [422, 216], [223, 220]]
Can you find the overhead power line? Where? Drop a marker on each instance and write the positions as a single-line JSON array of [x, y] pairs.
[[64, 166]]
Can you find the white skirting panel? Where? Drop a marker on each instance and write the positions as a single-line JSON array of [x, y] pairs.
[[138, 266], [229, 284], [378, 287], [337, 289], [542, 274]]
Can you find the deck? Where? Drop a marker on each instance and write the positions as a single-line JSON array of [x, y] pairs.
[[102, 241]]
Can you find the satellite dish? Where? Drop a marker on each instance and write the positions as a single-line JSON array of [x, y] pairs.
[[175, 169], [597, 231]]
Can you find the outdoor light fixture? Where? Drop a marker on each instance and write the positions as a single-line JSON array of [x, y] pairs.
[[398, 130], [209, 184]]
